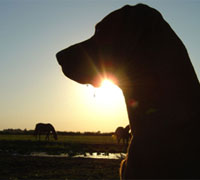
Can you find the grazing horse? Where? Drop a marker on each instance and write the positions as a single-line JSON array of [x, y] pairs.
[[42, 128], [123, 133]]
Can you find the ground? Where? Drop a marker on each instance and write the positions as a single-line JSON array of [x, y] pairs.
[[30, 168], [16, 162]]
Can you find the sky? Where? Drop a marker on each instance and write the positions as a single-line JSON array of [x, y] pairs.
[[32, 86]]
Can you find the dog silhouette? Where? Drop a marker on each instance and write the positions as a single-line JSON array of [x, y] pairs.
[[136, 48]]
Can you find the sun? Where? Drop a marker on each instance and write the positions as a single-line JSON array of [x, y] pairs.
[[106, 105], [106, 97], [108, 93], [107, 85]]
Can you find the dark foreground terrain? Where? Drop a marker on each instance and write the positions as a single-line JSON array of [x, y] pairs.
[[53, 168], [16, 162]]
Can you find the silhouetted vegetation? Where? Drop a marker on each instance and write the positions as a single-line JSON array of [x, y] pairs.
[[17, 131], [72, 133]]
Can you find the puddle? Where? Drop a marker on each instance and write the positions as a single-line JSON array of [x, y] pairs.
[[103, 155], [94, 155]]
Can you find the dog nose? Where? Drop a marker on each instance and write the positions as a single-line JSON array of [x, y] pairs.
[[59, 57]]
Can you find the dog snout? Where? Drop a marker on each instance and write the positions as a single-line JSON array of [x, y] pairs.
[[68, 55], [59, 57]]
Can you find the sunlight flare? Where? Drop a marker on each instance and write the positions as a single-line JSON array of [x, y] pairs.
[[106, 105], [108, 93], [108, 85]]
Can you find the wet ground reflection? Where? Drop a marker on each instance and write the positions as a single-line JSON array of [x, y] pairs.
[[94, 155]]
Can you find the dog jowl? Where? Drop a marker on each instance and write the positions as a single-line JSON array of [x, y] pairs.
[[137, 48]]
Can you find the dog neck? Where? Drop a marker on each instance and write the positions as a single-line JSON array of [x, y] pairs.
[[159, 106]]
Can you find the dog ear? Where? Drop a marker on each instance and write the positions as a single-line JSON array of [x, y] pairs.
[[145, 28], [133, 27], [140, 22]]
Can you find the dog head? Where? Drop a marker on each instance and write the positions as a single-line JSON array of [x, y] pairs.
[[110, 52], [136, 48]]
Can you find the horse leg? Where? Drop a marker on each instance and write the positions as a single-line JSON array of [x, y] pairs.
[[47, 136], [119, 140], [123, 141]]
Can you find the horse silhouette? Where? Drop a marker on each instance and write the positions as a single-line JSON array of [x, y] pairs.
[[123, 133], [46, 129]]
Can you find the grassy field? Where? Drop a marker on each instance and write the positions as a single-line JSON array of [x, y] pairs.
[[64, 138], [72, 145], [16, 162]]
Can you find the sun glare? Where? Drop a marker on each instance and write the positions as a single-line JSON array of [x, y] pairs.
[[107, 85], [107, 97], [108, 93], [106, 106]]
